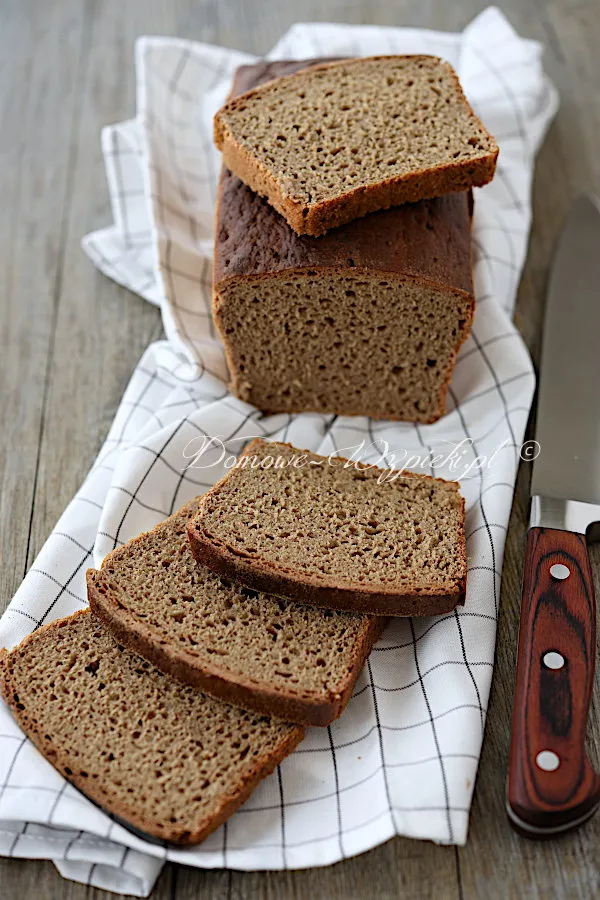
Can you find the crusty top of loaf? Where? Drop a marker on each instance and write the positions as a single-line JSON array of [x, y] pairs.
[[428, 240]]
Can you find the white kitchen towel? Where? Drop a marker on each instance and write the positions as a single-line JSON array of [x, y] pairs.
[[403, 757]]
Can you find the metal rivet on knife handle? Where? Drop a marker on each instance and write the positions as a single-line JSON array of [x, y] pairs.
[[547, 760], [553, 660]]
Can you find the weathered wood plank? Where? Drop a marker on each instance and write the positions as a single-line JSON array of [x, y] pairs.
[[37, 109], [101, 329], [399, 868]]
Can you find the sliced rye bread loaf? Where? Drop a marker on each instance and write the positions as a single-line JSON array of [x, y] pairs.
[[335, 533], [337, 141], [366, 320], [165, 760], [258, 652]]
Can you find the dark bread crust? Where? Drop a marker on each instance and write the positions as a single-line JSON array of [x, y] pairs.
[[428, 243], [317, 219], [220, 558], [94, 791], [253, 75], [259, 696], [329, 593]]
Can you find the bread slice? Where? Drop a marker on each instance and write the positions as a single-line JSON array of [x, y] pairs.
[[366, 320], [255, 651], [162, 758], [336, 141], [335, 533]]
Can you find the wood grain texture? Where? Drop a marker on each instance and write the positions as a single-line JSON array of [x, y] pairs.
[[70, 338], [550, 707], [37, 108]]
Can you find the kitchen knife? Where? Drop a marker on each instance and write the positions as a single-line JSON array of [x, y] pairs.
[[551, 785]]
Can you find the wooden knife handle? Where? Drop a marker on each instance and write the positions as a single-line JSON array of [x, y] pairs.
[[551, 784]]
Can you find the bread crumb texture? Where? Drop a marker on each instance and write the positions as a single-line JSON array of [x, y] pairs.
[[365, 344], [247, 637], [339, 522], [165, 758]]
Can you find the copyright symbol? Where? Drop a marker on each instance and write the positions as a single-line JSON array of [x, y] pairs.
[[529, 451]]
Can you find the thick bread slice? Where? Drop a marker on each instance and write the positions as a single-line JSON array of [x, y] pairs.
[[163, 758], [337, 141], [250, 649], [366, 320], [335, 533]]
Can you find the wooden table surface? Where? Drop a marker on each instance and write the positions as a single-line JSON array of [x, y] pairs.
[[70, 339]]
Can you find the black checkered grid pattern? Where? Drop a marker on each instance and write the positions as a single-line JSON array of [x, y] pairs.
[[403, 757]]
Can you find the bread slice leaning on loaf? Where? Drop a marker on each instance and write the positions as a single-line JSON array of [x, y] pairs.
[[247, 648], [335, 533], [366, 320], [165, 760], [339, 140]]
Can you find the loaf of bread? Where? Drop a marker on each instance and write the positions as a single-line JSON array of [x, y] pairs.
[[247, 648], [342, 139], [166, 760], [335, 533], [366, 320]]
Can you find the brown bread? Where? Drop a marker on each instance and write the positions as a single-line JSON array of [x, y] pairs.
[[337, 141], [366, 320], [335, 533], [163, 758], [256, 651]]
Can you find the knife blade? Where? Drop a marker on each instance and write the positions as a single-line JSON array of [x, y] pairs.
[[568, 416], [551, 784]]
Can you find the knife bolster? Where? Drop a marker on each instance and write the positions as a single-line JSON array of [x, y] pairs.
[[564, 515]]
